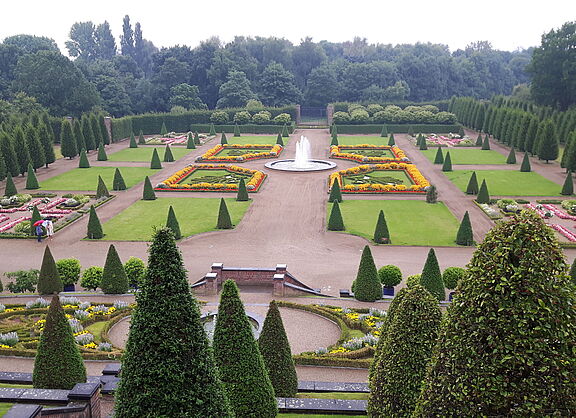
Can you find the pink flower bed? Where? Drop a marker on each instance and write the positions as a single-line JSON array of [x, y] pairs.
[[25, 206], [564, 231], [3, 218], [560, 213], [533, 207], [55, 212], [11, 210], [182, 139], [54, 203], [12, 224], [444, 140]]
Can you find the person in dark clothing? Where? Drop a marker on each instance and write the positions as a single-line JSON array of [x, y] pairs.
[[39, 232]]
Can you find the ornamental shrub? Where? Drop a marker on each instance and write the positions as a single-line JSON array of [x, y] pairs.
[[486, 143], [517, 290], [384, 131], [451, 277], [118, 181], [391, 141], [341, 118], [163, 130], [334, 129], [173, 224], [261, 118], [83, 162], [94, 226], [10, 189], [335, 221], [334, 139], [479, 140], [431, 277], [403, 355], [133, 143], [411, 130], [465, 236], [335, 192], [572, 272], [548, 142], [69, 270], [483, 195], [102, 153], [212, 130], [135, 270], [155, 163], [381, 233], [285, 133], [224, 220], [282, 119], [431, 194], [367, 287], [219, 117], [49, 281], [223, 139], [412, 280], [114, 280], [439, 158], [190, 141], [141, 140], [472, 187], [168, 156], [31, 180], [390, 275], [148, 193], [58, 363], [568, 187], [236, 130], [423, 144], [279, 140], [35, 218], [67, 142], [85, 134], [243, 117], [447, 166], [91, 277], [78, 135], [275, 349], [91, 143], [242, 369], [242, 195], [511, 157], [525, 167], [101, 190], [156, 323], [197, 138]]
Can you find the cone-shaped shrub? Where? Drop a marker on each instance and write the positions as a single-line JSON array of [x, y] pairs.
[[285, 131], [465, 236], [242, 195], [335, 221], [156, 323], [404, 354], [190, 142], [102, 153], [101, 190], [423, 145], [49, 281], [431, 194], [486, 143], [155, 163], [31, 180], [461, 132], [94, 226], [525, 167], [197, 138], [279, 140], [411, 130], [447, 166], [275, 349], [483, 195], [212, 130], [431, 277], [568, 187], [472, 187], [118, 181], [141, 140], [367, 287], [479, 140], [133, 143], [381, 234], [516, 288], [439, 158], [10, 189], [148, 193], [173, 224], [114, 279], [67, 142], [384, 131], [83, 162], [58, 363], [224, 221], [335, 192], [236, 130], [572, 272], [163, 130], [334, 139], [223, 139], [168, 156], [391, 141], [35, 218], [511, 157], [78, 135], [238, 358]]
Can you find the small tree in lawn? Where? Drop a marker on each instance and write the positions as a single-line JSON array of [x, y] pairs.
[[197, 138], [335, 192], [141, 140], [236, 130], [279, 139], [472, 187], [431, 277], [148, 193], [335, 221], [212, 130], [31, 180], [367, 287], [101, 190], [223, 139], [163, 130], [568, 187], [384, 131], [102, 153], [118, 181], [94, 225], [275, 349], [133, 143], [10, 189], [391, 141], [525, 167], [423, 144], [439, 158], [242, 195], [511, 157], [83, 162], [431, 194], [486, 143], [58, 363], [483, 195], [168, 156], [224, 220], [49, 281], [173, 224], [381, 233], [155, 163], [334, 139], [479, 140], [190, 141], [465, 236], [114, 279], [285, 131], [447, 166]]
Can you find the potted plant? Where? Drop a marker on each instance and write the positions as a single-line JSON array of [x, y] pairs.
[[135, 270], [389, 276], [451, 277], [69, 270]]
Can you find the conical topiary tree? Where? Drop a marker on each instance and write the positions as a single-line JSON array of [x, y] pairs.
[[483, 195], [197, 138], [479, 140], [78, 135], [511, 157], [58, 363], [83, 162], [49, 281], [439, 158], [384, 131], [67, 143], [156, 323], [447, 166], [190, 141], [238, 358], [223, 139], [403, 354], [168, 156], [423, 144], [103, 130], [242, 195], [94, 225], [334, 128], [46, 139], [102, 153], [224, 220], [335, 221], [35, 218], [486, 143], [155, 163], [411, 130], [568, 187], [285, 133], [275, 349], [96, 138], [525, 167], [35, 147], [548, 143], [334, 139], [118, 181], [133, 143], [472, 187], [10, 189], [173, 224], [516, 289], [279, 139], [465, 236], [236, 130], [381, 234], [163, 129], [101, 190], [572, 272], [141, 140], [367, 287], [431, 194], [431, 277], [87, 132], [335, 192], [212, 130], [31, 180], [148, 193], [391, 141], [114, 279]]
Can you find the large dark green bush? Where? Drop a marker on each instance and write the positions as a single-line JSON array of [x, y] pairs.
[[10, 189], [335, 221], [148, 192], [118, 181], [568, 186], [168, 156], [367, 284], [155, 163], [447, 165], [335, 192], [114, 280], [511, 159], [525, 167], [381, 233], [102, 153], [83, 162], [101, 190], [390, 275], [173, 224], [431, 277], [224, 221], [135, 271], [483, 195], [49, 281], [472, 187], [242, 195], [69, 270], [465, 236], [23, 280], [94, 225], [133, 143], [439, 158], [68, 146]]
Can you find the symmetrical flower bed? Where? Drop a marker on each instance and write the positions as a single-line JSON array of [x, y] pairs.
[[419, 181], [246, 152], [361, 153], [449, 141], [175, 181], [173, 139]]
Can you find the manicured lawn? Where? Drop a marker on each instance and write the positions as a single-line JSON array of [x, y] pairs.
[[333, 395], [369, 152], [238, 152], [144, 153], [379, 177], [87, 178], [258, 139], [195, 215], [5, 407], [8, 385], [364, 139], [468, 155], [214, 176], [507, 182], [410, 222], [96, 330], [318, 416]]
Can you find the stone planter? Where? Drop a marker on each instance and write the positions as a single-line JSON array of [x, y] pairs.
[[388, 291], [69, 288]]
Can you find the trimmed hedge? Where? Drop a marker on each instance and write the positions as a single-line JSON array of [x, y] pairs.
[[397, 129], [442, 105]]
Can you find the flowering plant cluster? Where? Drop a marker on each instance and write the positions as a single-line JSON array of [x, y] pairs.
[[346, 152], [448, 141], [213, 153], [570, 236]]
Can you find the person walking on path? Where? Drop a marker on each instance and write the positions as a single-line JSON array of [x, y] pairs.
[[49, 225], [39, 232]]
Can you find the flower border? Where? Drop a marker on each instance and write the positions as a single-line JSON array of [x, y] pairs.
[[212, 154], [336, 151]]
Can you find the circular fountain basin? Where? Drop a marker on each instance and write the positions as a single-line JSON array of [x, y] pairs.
[[310, 165]]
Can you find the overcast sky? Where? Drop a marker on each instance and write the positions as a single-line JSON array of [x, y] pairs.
[[507, 24]]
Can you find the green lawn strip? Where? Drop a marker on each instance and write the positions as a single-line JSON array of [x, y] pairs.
[[507, 182], [4, 408], [381, 176], [356, 333], [96, 330], [195, 215], [291, 415], [468, 155], [239, 152], [8, 385], [87, 178], [410, 222], [356, 140], [144, 153], [263, 139], [333, 395], [369, 152]]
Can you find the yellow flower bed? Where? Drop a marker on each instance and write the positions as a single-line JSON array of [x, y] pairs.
[[212, 153], [173, 182], [339, 151]]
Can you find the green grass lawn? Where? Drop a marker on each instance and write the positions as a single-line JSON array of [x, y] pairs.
[[379, 177], [144, 153], [333, 395], [507, 182], [4, 408], [87, 178], [230, 152], [246, 139], [410, 222], [468, 155], [365, 139], [214, 176], [195, 215], [8, 385], [96, 330], [290, 415], [369, 152]]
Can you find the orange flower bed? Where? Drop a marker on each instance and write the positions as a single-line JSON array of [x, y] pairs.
[[419, 186], [212, 153], [346, 152]]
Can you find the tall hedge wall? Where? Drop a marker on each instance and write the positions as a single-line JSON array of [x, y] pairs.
[[122, 128], [400, 129]]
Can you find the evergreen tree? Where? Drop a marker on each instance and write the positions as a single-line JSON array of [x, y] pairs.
[[461, 132], [334, 139], [483, 195], [570, 153], [439, 158], [279, 140], [102, 153], [238, 358], [148, 193], [465, 236], [49, 281], [2, 167], [447, 166], [335, 222], [384, 131], [173, 224], [212, 130], [431, 277], [118, 181], [35, 147], [35, 218], [31, 180], [94, 225], [411, 130], [525, 167], [242, 195], [78, 135], [21, 148], [335, 192], [224, 221], [431, 194], [114, 280], [163, 130], [58, 363], [423, 145], [10, 189], [367, 287], [381, 233], [223, 139], [133, 143], [531, 134], [548, 143], [236, 130], [83, 162], [511, 157], [275, 349], [156, 323], [10, 159], [391, 141], [168, 156], [141, 140], [197, 138], [101, 190], [92, 143], [572, 272], [285, 133], [537, 139], [486, 143], [103, 130], [87, 133], [333, 130], [155, 164], [568, 187], [472, 187], [190, 141], [479, 140], [67, 142]]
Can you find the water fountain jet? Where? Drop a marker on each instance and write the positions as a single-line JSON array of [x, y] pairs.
[[302, 161]]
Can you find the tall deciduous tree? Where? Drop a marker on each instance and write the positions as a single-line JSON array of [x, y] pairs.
[[236, 91]]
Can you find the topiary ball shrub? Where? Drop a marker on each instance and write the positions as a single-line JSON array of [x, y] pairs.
[[451, 277], [92, 277], [389, 276], [69, 270]]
